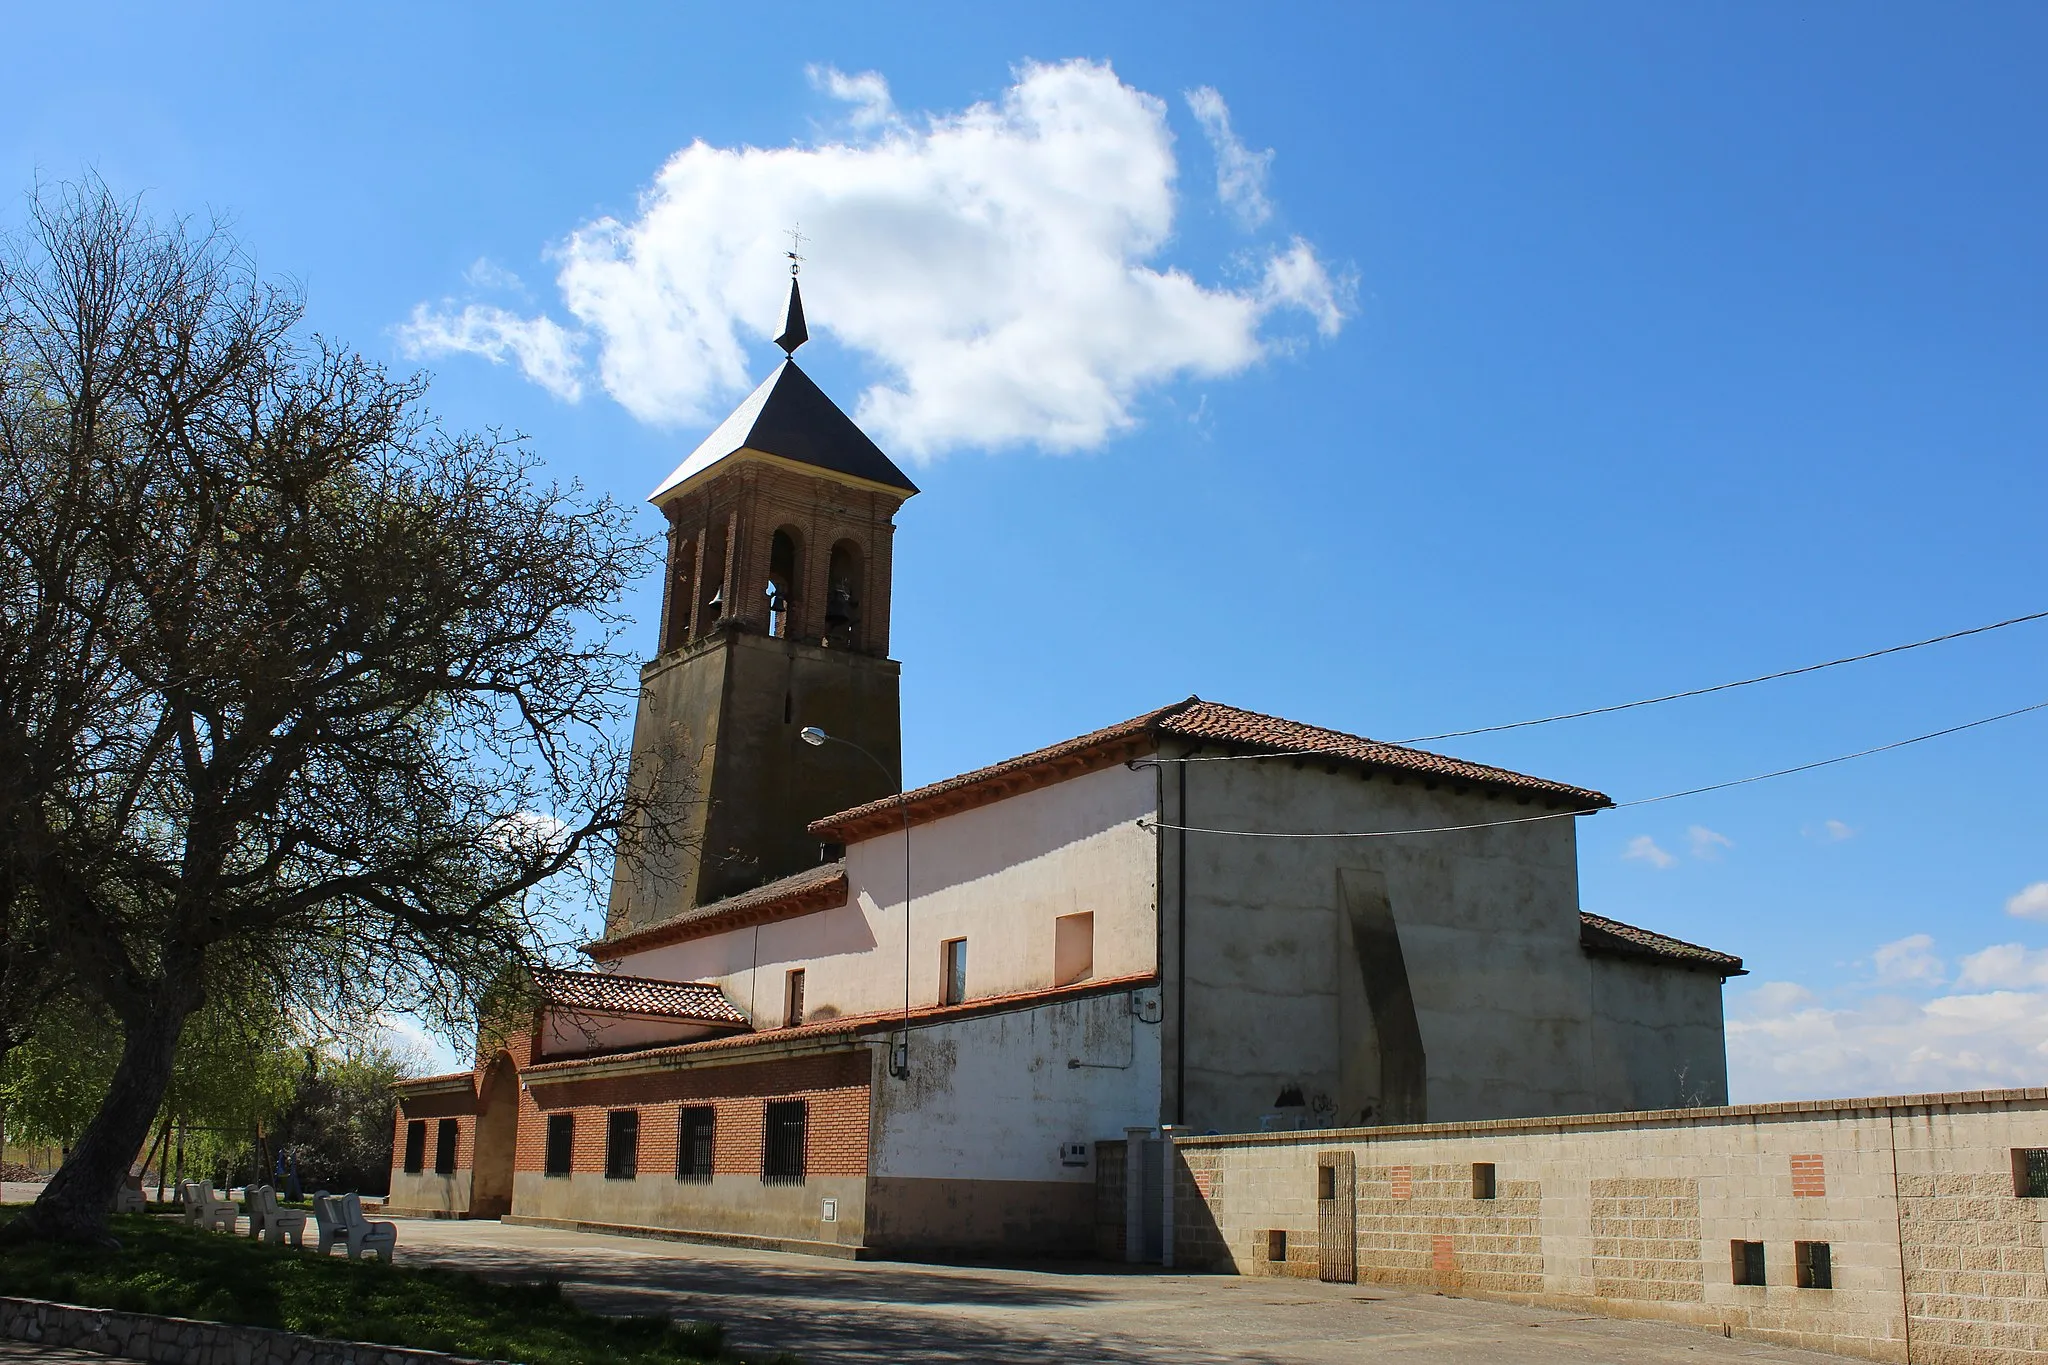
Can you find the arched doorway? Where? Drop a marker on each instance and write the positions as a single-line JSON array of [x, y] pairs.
[[497, 1137]]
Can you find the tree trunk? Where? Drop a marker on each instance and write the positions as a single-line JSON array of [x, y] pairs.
[[76, 1204]]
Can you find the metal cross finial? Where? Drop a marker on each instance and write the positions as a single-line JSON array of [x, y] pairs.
[[796, 240]]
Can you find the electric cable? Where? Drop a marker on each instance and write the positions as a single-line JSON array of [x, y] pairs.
[[1594, 810], [1646, 701]]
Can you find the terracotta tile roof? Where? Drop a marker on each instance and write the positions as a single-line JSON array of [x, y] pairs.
[[878, 1024], [1200, 722], [453, 1080], [818, 888], [1598, 934], [610, 993]]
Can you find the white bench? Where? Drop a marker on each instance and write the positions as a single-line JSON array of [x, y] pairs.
[[129, 1199], [203, 1208], [341, 1219], [274, 1224]]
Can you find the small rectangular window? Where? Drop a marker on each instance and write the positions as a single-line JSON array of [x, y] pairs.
[[2030, 1172], [415, 1146], [1816, 1265], [561, 1143], [953, 971], [622, 1144], [1482, 1180], [1747, 1260], [793, 998], [782, 1147], [447, 1135], [696, 1127], [1326, 1182], [1073, 949], [1276, 1244]]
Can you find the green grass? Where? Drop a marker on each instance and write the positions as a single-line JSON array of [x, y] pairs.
[[166, 1268]]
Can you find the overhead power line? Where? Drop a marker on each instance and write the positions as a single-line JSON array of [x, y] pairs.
[[1730, 686], [1619, 805], [1646, 701]]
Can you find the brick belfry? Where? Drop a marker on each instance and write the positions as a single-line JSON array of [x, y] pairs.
[[775, 616]]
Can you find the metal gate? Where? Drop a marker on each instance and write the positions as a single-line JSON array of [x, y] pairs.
[[1151, 1208], [1337, 1217]]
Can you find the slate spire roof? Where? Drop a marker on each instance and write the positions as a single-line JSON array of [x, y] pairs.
[[794, 333], [789, 416]]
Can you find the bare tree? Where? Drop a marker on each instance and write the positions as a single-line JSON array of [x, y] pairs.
[[334, 702]]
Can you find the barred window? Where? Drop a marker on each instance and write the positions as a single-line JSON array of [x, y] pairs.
[[782, 1154], [561, 1142], [446, 1136], [415, 1146], [1747, 1259], [2030, 1172], [1816, 1265], [695, 1130], [622, 1144]]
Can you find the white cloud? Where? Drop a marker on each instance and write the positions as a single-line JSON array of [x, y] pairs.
[[485, 273], [1910, 959], [1240, 171], [545, 352], [999, 267], [866, 91], [1644, 849], [1785, 1044], [1830, 831], [2030, 903], [1707, 843], [2005, 964], [1988, 1030]]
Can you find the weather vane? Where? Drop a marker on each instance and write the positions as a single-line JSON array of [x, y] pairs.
[[796, 240]]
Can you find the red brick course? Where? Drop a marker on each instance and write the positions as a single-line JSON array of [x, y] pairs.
[[465, 1143], [835, 1087], [1809, 1178]]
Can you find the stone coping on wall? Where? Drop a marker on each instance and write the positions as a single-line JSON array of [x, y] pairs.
[[1625, 1118], [185, 1341]]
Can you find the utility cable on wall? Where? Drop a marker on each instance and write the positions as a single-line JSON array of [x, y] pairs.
[[1619, 805], [1646, 701]]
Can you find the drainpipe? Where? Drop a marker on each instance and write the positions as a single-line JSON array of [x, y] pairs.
[[1180, 992]]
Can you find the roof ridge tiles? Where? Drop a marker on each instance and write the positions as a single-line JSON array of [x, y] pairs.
[[1202, 722]]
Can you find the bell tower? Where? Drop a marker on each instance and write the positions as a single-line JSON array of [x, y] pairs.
[[775, 616]]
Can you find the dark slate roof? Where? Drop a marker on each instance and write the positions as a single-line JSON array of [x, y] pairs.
[[1598, 934], [610, 993], [1203, 722], [790, 416], [817, 888]]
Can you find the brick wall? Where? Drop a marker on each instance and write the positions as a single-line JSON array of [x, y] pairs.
[[836, 1128]]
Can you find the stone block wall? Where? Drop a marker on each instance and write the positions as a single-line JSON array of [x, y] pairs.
[[182, 1341], [1935, 1252]]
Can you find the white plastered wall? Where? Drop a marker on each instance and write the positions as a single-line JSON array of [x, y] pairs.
[[995, 1097], [999, 876]]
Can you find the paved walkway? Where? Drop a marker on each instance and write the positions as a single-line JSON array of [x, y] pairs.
[[834, 1312]]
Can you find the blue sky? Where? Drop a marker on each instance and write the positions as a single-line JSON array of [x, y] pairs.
[[1555, 356]]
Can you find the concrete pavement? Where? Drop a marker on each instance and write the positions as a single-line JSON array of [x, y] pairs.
[[833, 1312]]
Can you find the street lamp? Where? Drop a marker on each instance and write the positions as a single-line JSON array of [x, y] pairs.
[[899, 1049]]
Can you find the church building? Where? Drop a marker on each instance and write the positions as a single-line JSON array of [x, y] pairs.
[[831, 1016]]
